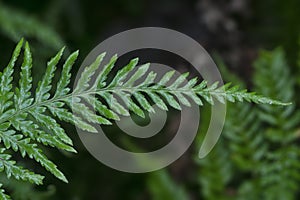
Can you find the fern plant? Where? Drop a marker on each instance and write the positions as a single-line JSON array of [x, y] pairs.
[[236, 152], [278, 170], [260, 141], [28, 118]]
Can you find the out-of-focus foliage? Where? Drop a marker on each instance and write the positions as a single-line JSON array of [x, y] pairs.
[[15, 24], [260, 141], [276, 23], [215, 173], [25, 191], [162, 186]]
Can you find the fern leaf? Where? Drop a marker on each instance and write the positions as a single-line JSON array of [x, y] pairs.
[[86, 113], [281, 164], [141, 71], [102, 109], [18, 172], [62, 84], [18, 143], [44, 85], [47, 164], [6, 80], [64, 115], [51, 124], [165, 79], [32, 130], [114, 104], [101, 78], [23, 94], [83, 82], [130, 104], [122, 74], [28, 121]]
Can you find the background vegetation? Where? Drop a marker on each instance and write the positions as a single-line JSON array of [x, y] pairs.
[[256, 45]]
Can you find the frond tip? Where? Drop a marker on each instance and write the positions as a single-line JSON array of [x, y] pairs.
[[28, 120]]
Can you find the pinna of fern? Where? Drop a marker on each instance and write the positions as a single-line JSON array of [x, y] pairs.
[[28, 119]]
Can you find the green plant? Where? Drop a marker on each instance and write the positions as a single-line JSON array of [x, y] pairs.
[[26, 122], [14, 24], [233, 151], [260, 142], [24, 190], [278, 169], [162, 186]]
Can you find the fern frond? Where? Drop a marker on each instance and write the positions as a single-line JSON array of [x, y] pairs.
[[275, 62], [18, 120], [281, 164], [28, 120]]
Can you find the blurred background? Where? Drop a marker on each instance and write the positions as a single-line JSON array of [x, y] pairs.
[[255, 45]]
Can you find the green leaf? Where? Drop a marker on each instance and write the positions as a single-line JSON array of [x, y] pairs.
[[122, 73], [149, 80], [101, 108], [165, 79], [114, 104], [62, 84], [179, 81], [27, 122], [18, 172], [64, 115], [170, 99], [23, 94], [130, 104], [50, 124], [89, 115], [141, 71], [6, 80], [88, 72], [157, 100], [102, 76], [143, 102], [44, 86]]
